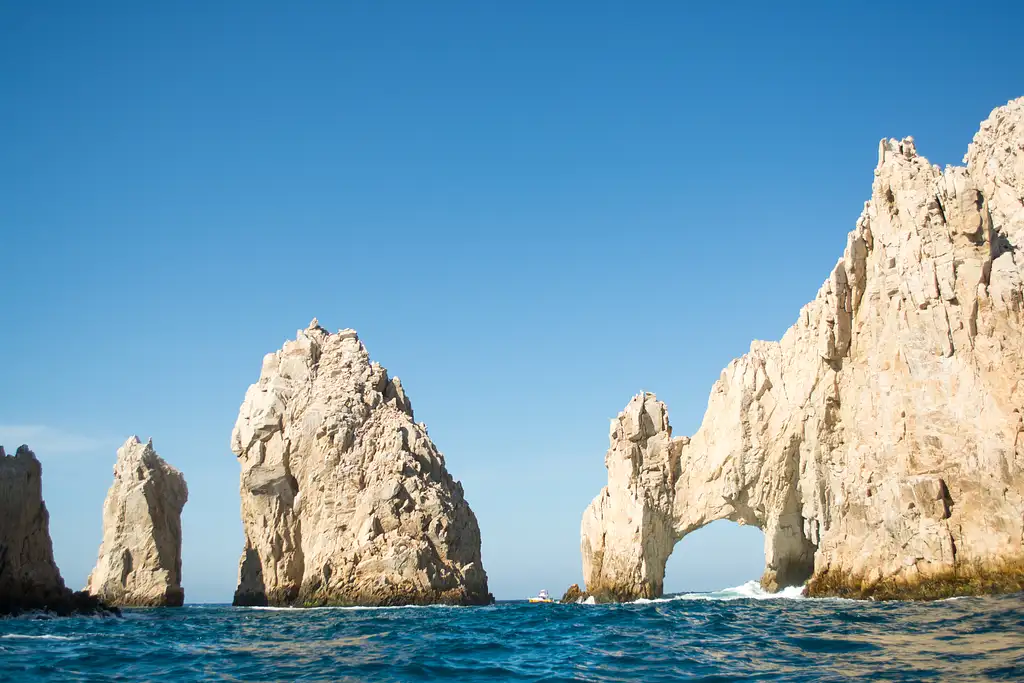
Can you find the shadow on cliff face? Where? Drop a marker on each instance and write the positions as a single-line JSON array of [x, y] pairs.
[[252, 592]]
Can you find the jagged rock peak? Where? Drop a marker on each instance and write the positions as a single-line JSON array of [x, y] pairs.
[[644, 416], [880, 444], [29, 578], [904, 147], [345, 499], [139, 561]]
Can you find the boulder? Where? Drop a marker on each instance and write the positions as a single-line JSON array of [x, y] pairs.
[[574, 595]]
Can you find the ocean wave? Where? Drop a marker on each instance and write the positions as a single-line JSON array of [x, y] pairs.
[[23, 636], [739, 637], [751, 590]]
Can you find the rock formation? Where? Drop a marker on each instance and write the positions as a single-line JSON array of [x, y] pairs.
[[345, 499], [139, 561], [29, 578], [574, 595], [880, 444]]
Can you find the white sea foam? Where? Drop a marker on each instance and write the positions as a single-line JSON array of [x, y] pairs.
[[751, 590], [21, 636]]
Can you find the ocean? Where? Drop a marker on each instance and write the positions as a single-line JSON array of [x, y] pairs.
[[736, 634]]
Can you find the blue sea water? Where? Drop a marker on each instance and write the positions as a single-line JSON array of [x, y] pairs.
[[736, 634]]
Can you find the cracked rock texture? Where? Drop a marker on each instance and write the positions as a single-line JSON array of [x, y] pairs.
[[345, 499], [29, 578], [881, 440], [139, 560]]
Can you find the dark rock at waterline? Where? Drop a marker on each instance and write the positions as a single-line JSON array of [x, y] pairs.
[[62, 604], [574, 594], [966, 578], [385, 596]]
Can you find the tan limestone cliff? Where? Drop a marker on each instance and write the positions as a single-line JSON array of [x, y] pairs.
[[29, 578], [880, 444], [345, 499], [139, 561]]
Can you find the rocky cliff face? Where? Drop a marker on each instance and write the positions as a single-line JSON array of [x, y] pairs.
[[880, 443], [29, 578], [140, 559], [345, 499]]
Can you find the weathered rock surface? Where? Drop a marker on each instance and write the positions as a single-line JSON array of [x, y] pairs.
[[139, 562], [880, 443], [29, 578], [574, 595], [345, 499]]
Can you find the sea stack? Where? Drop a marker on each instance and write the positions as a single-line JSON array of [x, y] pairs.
[[139, 562], [29, 578], [880, 444], [345, 499]]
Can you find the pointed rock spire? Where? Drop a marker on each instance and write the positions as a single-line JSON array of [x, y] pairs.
[[139, 562]]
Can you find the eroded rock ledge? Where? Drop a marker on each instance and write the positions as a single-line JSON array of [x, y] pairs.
[[139, 561], [880, 444], [345, 499], [29, 578]]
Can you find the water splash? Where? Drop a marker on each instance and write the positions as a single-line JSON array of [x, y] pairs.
[[751, 590]]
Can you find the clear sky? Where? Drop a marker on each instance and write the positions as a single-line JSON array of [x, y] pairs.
[[529, 210]]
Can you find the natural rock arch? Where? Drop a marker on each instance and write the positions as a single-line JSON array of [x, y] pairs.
[[657, 495], [880, 443]]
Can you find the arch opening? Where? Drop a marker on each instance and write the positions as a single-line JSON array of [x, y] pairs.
[[662, 489], [719, 555]]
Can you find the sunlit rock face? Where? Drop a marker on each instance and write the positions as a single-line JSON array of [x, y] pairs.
[[880, 443], [139, 561], [345, 499]]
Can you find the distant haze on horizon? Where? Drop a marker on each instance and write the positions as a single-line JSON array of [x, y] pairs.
[[530, 212]]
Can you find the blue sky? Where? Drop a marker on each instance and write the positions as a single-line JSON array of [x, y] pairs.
[[530, 211]]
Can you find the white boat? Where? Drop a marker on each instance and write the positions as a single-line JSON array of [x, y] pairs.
[[542, 597]]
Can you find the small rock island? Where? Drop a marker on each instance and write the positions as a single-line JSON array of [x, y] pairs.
[[345, 499], [139, 563]]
